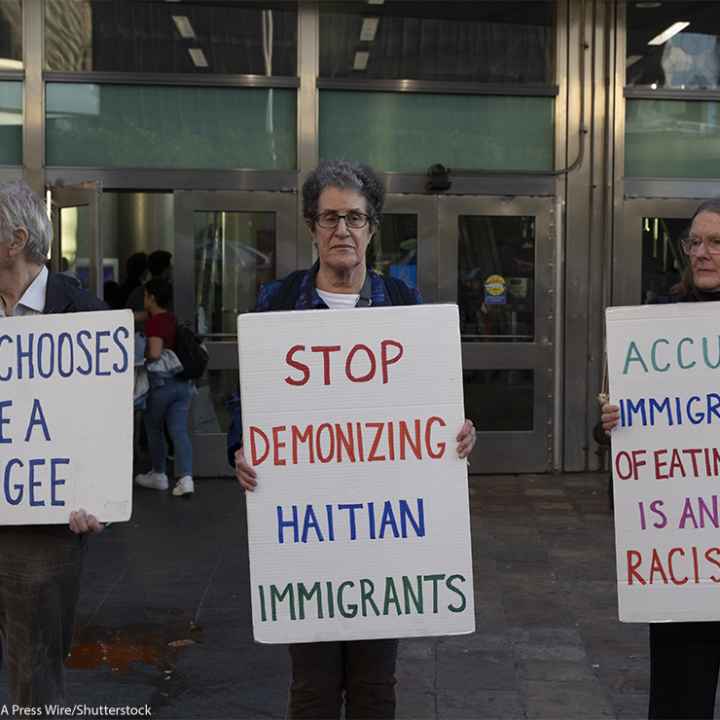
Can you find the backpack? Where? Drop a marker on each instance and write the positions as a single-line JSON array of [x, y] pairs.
[[288, 292], [191, 353]]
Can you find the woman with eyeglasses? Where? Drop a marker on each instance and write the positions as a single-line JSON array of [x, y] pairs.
[[342, 202], [685, 656]]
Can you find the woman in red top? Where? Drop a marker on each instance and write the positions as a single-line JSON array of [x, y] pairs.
[[169, 397]]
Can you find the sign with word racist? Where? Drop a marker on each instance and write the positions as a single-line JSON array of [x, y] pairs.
[[359, 527], [66, 388], [664, 370]]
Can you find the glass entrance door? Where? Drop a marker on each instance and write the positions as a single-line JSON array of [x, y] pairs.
[[227, 245], [648, 264], [495, 260], [77, 241]]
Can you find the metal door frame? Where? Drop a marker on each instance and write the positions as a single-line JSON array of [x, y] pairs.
[[426, 209], [513, 451], [209, 457], [627, 256], [87, 194]]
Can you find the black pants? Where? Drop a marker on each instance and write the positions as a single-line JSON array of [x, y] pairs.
[[363, 669], [684, 664], [39, 585]]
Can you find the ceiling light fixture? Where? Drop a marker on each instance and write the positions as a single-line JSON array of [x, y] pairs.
[[361, 60], [369, 28], [198, 57], [375, 2], [665, 35], [183, 26]]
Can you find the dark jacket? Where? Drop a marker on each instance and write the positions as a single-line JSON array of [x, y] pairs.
[[307, 298], [64, 295]]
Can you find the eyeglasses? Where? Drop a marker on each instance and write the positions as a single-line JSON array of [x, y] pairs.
[[329, 219], [691, 245]]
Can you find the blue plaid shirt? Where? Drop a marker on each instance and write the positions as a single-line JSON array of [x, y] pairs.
[[308, 298]]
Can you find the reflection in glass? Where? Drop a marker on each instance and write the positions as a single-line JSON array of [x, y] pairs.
[[11, 122], [496, 270], [210, 407], [663, 260], [672, 138], [234, 255], [11, 35], [491, 42], [393, 250], [499, 400], [689, 59], [75, 243], [258, 38]]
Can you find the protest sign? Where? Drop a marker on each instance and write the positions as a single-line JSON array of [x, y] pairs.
[[359, 527], [66, 417], [664, 371]]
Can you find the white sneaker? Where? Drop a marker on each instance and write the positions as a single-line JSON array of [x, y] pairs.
[[184, 486], [152, 480]]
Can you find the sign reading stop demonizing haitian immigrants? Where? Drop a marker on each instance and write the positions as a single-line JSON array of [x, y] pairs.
[[66, 417], [664, 368], [359, 527]]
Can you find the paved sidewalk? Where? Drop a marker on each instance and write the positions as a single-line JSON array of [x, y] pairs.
[[164, 615]]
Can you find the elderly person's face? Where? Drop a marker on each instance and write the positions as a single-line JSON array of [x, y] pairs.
[[342, 248], [704, 237]]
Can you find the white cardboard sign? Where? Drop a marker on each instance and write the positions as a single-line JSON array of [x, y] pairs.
[[66, 417], [359, 527], [664, 370]]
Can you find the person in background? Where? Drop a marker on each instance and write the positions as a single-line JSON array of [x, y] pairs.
[[685, 656], [342, 203], [169, 397], [159, 265], [135, 269], [40, 565]]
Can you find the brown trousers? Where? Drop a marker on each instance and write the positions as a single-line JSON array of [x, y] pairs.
[[364, 670], [40, 570]]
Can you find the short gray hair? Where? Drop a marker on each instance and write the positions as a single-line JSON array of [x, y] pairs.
[[343, 175], [20, 207]]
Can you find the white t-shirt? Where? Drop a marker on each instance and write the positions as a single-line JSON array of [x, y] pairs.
[[339, 301]]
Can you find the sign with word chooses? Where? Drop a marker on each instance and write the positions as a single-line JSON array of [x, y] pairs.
[[66, 387], [359, 526], [664, 370]]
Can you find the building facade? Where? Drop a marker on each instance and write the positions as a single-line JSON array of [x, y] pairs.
[[541, 158]]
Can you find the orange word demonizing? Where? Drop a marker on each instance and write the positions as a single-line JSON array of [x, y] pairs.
[[348, 442]]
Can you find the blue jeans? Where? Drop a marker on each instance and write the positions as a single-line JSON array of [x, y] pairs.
[[169, 402]]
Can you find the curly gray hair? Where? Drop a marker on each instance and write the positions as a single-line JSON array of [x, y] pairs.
[[20, 207], [344, 175]]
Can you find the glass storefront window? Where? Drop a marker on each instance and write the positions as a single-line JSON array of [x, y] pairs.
[[11, 122], [663, 260], [234, 255], [150, 36], [499, 400], [91, 125], [672, 138], [442, 40], [408, 132], [393, 250], [673, 44], [496, 271]]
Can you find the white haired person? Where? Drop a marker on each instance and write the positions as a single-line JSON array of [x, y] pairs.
[[685, 656], [40, 565], [342, 202]]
